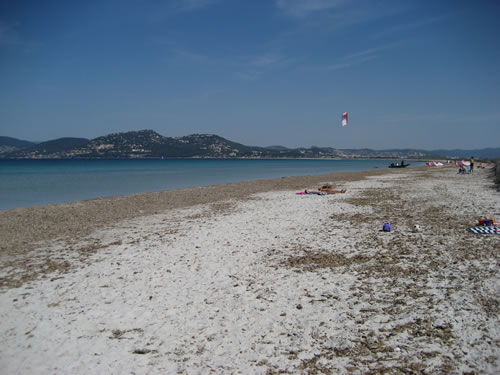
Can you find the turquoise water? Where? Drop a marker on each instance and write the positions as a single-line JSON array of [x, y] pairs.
[[25, 183]]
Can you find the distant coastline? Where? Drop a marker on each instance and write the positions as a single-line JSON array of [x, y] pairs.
[[147, 144]]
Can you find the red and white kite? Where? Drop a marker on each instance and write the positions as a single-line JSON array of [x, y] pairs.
[[345, 119]]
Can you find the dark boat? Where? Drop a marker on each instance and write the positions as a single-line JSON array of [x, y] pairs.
[[397, 165]]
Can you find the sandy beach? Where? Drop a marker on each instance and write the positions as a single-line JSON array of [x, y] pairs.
[[250, 278]]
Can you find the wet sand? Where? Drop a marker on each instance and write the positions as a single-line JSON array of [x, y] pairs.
[[252, 278]]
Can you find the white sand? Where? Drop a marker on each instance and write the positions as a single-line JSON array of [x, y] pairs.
[[207, 289]]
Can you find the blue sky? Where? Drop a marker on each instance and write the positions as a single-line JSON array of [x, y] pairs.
[[418, 74]]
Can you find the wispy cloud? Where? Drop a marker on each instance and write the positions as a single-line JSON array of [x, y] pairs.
[[302, 8], [371, 51], [264, 60], [193, 5], [360, 57], [201, 59], [12, 39], [445, 117], [397, 29], [329, 17], [245, 67], [173, 8], [351, 62], [254, 67], [268, 60], [9, 36]]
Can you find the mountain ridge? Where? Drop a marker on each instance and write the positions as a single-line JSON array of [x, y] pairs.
[[148, 143]]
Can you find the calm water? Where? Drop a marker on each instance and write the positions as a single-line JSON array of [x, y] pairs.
[[26, 183]]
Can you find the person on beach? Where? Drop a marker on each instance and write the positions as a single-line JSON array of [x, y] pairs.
[[323, 191], [310, 192], [471, 164], [331, 191]]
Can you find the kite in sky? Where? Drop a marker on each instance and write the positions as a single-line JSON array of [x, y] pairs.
[[345, 119]]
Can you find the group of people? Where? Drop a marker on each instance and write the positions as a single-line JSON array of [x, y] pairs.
[[463, 168]]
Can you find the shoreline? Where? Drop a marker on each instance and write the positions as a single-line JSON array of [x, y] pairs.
[[252, 278], [80, 218], [74, 181]]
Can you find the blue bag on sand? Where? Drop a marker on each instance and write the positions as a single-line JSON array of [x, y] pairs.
[[388, 227]]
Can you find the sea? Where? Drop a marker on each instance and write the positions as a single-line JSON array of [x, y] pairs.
[[26, 183]]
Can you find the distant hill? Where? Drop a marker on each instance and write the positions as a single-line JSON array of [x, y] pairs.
[[150, 144], [50, 148], [8, 144], [277, 147], [13, 142]]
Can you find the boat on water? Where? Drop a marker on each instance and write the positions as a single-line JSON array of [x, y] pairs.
[[399, 165]]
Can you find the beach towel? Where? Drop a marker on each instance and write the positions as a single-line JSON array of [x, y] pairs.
[[485, 230], [310, 193]]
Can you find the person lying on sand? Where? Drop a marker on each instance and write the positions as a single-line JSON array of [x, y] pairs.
[[323, 191], [329, 190], [311, 192]]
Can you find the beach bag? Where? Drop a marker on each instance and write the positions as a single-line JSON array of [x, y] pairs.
[[388, 227], [487, 222]]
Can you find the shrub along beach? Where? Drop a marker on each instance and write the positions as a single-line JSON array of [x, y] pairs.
[[252, 278]]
